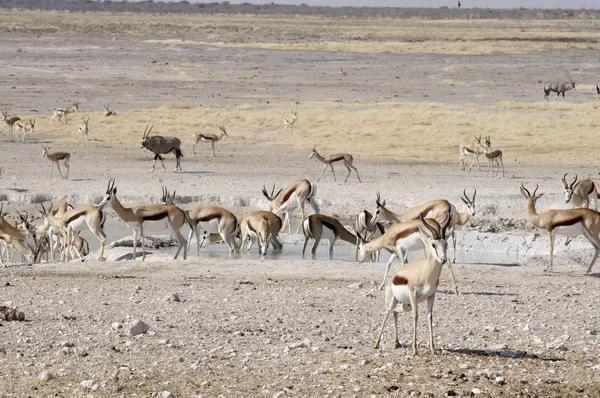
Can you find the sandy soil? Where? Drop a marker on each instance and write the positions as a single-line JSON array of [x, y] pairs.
[[247, 327]]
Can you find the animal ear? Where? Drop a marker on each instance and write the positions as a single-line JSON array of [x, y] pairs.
[[114, 191], [538, 196]]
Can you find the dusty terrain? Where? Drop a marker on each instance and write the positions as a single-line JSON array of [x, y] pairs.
[[251, 327]]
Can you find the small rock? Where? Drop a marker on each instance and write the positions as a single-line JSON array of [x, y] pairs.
[[163, 341], [491, 329], [137, 327], [67, 344], [173, 297], [467, 365], [138, 288], [116, 326], [500, 380], [528, 327], [45, 376], [596, 367], [345, 366], [167, 394], [156, 318], [88, 384], [475, 391], [498, 347], [356, 285]]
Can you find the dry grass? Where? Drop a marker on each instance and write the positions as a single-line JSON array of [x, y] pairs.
[[364, 35], [552, 133]]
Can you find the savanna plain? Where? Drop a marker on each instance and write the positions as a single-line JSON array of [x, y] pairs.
[[412, 92]]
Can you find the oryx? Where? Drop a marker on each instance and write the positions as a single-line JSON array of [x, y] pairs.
[[559, 87], [162, 145]]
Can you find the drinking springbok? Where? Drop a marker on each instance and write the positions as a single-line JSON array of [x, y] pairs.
[[160, 146], [294, 195]]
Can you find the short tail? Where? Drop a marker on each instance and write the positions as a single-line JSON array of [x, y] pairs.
[[311, 198], [306, 228], [187, 218]]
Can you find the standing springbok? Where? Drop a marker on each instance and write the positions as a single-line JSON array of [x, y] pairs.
[[494, 156], [54, 233], [329, 160], [212, 138], [461, 218], [262, 226], [9, 121], [22, 240], [83, 130], [73, 221], [471, 150], [294, 195], [416, 282], [25, 126], [571, 223], [54, 158], [162, 145], [364, 227], [559, 87], [107, 111], [64, 111], [320, 226], [287, 123], [151, 218], [580, 193]]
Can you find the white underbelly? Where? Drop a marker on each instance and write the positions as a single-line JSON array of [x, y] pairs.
[[151, 226], [569, 230], [402, 293], [78, 224], [211, 226], [291, 204], [410, 243]]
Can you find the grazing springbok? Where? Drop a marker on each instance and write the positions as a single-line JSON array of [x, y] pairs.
[[64, 111], [162, 145], [471, 150], [364, 227], [55, 158], [320, 226], [571, 223], [580, 193], [74, 221], [416, 282], [294, 195], [329, 160], [262, 226], [559, 87], [151, 218], [25, 126], [9, 121], [208, 220], [212, 138], [494, 156], [107, 111], [287, 123], [83, 130]]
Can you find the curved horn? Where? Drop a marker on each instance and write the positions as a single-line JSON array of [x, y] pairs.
[[474, 194], [526, 190], [574, 181], [273, 191], [564, 181], [434, 233], [444, 226], [151, 127], [264, 191], [536, 188]]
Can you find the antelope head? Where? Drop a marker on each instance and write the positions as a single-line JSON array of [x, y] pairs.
[[146, 136], [111, 191], [488, 142], [469, 202], [85, 122], [313, 152], [4, 115], [294, 116], [45, 213], [271, 198], [570, 80], [528, 195], [569, 188], [32, 125], [45, 150], [360, 242], [222, 128], [168, 199], [76, 105], [434, 241], [380, 208]]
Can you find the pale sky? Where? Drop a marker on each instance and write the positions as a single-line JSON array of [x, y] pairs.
[[564, 4]]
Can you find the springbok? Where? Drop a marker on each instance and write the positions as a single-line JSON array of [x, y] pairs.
[[162, 145], [341, 72], [9, 121], [294, 195], [262, 226], [461, 218], [25, 126], [54, 233], [287, 123], [559, 87], [54, 158], [329, 160], [79, 248], [364, 227], [320, 226], [64, 111], [152, 218], [107, 111], [580, 193], [494, 156], [416, 282], [83, 130], [212, 138], [22, 240], [73, 221], [471, 150], [571, 223]]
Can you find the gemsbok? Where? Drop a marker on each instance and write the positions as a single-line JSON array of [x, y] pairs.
[[150, 218], [294, 195], [320, 226], [559, 87], [345, 158], [64, 111], [160, 146], [416, 282], [571, 223], [55, 158], [212, 138]]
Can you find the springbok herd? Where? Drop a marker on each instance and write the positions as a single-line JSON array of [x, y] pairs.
[[426, 227]]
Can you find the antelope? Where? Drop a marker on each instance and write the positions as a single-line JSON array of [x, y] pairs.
[[294, 195], [320, 226], [416, 282], [363, 226], [79, 246], [152, 218], [559, 87], [494, 156], [64, 111], [288, 123], [473, 151], [54, 158], [462, 218], [9, 121], [580, 193], [329, 160], [262, 226], [209, 220], [597, 91], [22, 240], [107, 111], [162, 145], [73, 221], [571, 223], [341, 72], [25, 126], [53, 232], [83, 130], [212, 138]]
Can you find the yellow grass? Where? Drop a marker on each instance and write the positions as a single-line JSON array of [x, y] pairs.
[[384, 132]]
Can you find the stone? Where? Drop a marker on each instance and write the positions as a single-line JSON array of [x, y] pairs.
[[116, 326], [173, 297], [88, 384], [467, 365], [137, 327], [475, 391], [528, 327], [167, 394], [596, 367], [356, 285], [500, 380], [45, 376]]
